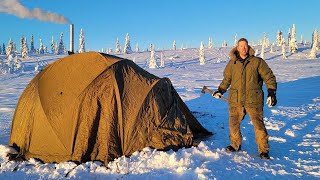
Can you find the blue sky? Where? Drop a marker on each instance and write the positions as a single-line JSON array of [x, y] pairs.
[[160, 22]]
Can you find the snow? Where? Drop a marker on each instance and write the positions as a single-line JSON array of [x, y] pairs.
[[293, 125]]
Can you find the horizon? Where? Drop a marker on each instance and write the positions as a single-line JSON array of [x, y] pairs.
[[183, 21]]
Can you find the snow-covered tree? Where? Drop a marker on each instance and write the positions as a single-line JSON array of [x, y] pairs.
[[224, 44], [12, 65], [32, 49], [21, 43], [202, 58], [283, 50], [301, 39], [61, 48], [118, 47], [263, 46], [81, 42], [271, 48], [127, 47], [52, 46], [25, 49], [279, 38], [56, 47], [289, 36], [235, 40], [315, 39], [3, 49], [210, 44], [174, 45], [137, 47], [10, 49], [41, 49], [313, 52], [293, 41], [152, 61], [161, 60], [14, 48]]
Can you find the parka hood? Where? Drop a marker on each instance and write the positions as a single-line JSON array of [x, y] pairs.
[[234, 54]]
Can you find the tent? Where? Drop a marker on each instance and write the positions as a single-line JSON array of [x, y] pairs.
[[94, 106]]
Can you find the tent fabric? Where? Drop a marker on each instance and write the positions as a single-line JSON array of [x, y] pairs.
[[94, 106]]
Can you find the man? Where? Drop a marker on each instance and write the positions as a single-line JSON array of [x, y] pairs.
[[245, 75]]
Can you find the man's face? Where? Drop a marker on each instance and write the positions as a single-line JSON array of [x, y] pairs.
[[242, 48]]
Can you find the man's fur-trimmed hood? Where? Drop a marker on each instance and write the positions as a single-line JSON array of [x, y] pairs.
[[234, 54]]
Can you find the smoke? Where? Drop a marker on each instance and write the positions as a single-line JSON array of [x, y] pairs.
[[14, 7]]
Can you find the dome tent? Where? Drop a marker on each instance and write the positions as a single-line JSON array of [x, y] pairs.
[[94, 106]]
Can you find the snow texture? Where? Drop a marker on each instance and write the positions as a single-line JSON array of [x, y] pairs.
[[293, 125]]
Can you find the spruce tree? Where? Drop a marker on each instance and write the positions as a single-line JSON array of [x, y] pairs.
[[61, 48], [152, 61], [293, 42], [161, 60], [41, 49], [137, 47], [235, 40], [25, 49], [32, 49], [3, 48], [10, 49], [127, 47], [201, 54], [118, 48], [210, 44], [52, 46], [313, 52], [174, 45]]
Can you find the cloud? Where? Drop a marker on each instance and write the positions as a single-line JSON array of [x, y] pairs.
[[14, 7]]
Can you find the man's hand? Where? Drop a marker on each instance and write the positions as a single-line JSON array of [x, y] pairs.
[[271, 99], [217, 94]]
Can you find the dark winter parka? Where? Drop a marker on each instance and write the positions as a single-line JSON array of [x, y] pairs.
[[246, 78]]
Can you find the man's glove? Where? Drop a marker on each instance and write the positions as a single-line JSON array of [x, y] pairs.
[[271, 99], [217, 94]]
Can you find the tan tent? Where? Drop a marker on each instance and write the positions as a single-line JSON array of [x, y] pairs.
[[93, 106]]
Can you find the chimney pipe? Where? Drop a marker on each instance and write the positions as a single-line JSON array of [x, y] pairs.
[[71, 38]]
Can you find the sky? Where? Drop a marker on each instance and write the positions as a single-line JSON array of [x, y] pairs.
[[157, 22]]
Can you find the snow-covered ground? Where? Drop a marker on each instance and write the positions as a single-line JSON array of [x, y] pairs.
[[293, 125]]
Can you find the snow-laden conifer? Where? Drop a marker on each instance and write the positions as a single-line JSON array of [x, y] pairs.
[[25, 49], [161, 60], [21, 43], [118, 47], [41, 49], [235, 40], [293, 41], [202, 58], [81, 42], [152, 61], [210, 44], [279, 38], [32, 49], [127, 46], [10, 49], [52, 45], [224, 44], [174, 45], [315, 39], [137, 47], [313, 52], [61, 48], [283, 50]]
